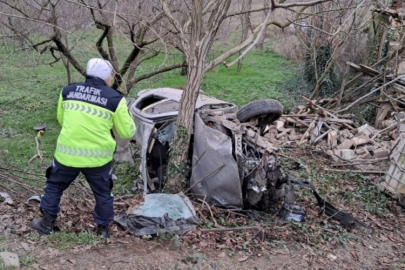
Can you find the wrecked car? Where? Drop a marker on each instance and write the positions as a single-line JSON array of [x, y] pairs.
[[232, 165]]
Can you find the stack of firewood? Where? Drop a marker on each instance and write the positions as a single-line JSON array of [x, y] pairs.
[[339, 136], [330, 122]]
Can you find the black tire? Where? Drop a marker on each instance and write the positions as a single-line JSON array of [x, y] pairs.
[[268, 110]]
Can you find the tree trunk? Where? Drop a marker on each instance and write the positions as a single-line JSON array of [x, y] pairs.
[[246, 25], [196, 47], [178, 165], [66, 64], [184, 69], [259, 45]]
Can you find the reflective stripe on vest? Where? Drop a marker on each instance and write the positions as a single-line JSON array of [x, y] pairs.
[[80, 152], [73, 106]]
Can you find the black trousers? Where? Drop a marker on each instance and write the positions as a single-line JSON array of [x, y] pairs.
[[59, 177]]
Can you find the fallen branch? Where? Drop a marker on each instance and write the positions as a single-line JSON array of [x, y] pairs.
[[209, 209], [27, 187], [7, 189], [306, 134], [319, 107], [321, 136], [370, 93], [365, 161], [205, 177], [387, 128], [230, 229], [19, 170], [296, 120], [380, 62], [38, 154], [356, 171]]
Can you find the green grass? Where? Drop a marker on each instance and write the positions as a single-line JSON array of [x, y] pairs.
[[126, 175], [32, 236], [5, 238], [333, 188], [29, 90], [65, 241], [27, 261], [262, 76]]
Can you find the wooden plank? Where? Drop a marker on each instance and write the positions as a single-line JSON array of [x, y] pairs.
[[380, 62], [357, 171], [338, 120], [364, 69], [369, 70]]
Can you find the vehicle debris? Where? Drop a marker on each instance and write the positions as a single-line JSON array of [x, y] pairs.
[[214, 155], [233, 158], [233, 166], [345, 219], [160, 213], [292, 213], [36, 198], [6, 198]]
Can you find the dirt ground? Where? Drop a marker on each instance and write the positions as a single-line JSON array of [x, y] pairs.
[[317, 243], [134, 253], [276, 246]]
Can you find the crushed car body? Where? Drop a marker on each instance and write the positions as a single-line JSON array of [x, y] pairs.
[[233, 166]]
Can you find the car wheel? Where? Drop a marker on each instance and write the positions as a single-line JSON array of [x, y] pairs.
[[267, 110]]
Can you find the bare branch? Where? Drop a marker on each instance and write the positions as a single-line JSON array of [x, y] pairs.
[[247, 12], [176, 25], [110, 42], [99, 43], [156, 72], [275, 5], [35, 46], [258, 37], [65, 51], [133, 68], [220, 59], [34, 20]]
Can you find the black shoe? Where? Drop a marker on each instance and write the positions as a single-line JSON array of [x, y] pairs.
[[102, 230], [45, 225]]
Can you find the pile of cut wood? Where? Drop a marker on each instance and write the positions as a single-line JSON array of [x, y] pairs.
[[339, 136], [333, 123]]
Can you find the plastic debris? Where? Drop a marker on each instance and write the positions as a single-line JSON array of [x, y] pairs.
[[292, 213], [6, 197], [160, 213], [36, 198]]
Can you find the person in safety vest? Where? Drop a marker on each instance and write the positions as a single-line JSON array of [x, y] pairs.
[[87, 113]]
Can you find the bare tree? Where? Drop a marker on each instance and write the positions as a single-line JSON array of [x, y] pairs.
[[246, 24], [54, 21], [196, 38], [192, 27], [260, 42], [327, 36]]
